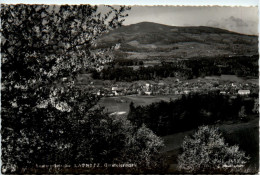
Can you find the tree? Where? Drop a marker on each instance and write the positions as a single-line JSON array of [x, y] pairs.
[[206, 151], [117, 141], [42, 115], [242, 113], [256, 106], [148, 148]]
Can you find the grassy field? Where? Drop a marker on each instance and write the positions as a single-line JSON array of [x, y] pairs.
[[121, 103], [232, 78]]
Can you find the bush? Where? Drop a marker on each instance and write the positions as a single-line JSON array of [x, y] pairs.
[[248, 140], [114, 140], [206, 151], [145, 147]]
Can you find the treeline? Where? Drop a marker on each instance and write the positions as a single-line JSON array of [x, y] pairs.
[[190, 111], [143, 73], [240, 65], [126, 62], [119, 70]]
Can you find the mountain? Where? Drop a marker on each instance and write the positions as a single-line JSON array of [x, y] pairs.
[[148, 41]]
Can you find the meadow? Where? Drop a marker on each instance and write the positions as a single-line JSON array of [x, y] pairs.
[[121, 103]]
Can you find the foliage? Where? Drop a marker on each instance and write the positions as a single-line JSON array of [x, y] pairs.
[[114, 140], [242, 114], [256, 106], [45, 119], [148, 146], [248, 140], [187, 69], [189, 112], [206, 151]]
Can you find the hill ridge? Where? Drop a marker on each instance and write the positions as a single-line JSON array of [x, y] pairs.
[[148, 40], [183, 27]]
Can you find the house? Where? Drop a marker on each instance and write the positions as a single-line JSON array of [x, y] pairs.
[[233, 85], [101, 93], [243, 92], [117, 46], [114, 88], [118, 113], [161, 84], [148, 93], [186, 92], [147, 86], [117, 90]]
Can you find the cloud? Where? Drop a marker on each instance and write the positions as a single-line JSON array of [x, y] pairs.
[[235, 24], [237, 19]]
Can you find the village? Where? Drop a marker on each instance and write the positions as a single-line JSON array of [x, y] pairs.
[[170, 86]]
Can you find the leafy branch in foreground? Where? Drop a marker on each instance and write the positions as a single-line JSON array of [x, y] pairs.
[[46, 120]]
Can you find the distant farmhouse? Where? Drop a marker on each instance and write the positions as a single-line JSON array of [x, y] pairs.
[[243, 92], [222, 92]]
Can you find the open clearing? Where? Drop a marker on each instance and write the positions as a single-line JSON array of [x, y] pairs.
[[232, 78], [121, 103]]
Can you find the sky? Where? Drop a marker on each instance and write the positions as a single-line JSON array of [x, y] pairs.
[[238, 19], [195, 13], [142, 2]]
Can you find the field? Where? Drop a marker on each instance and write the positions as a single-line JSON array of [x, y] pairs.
[[121, 103], [233, 78]]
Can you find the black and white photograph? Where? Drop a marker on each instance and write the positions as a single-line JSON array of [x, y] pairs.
[[129, 89]]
